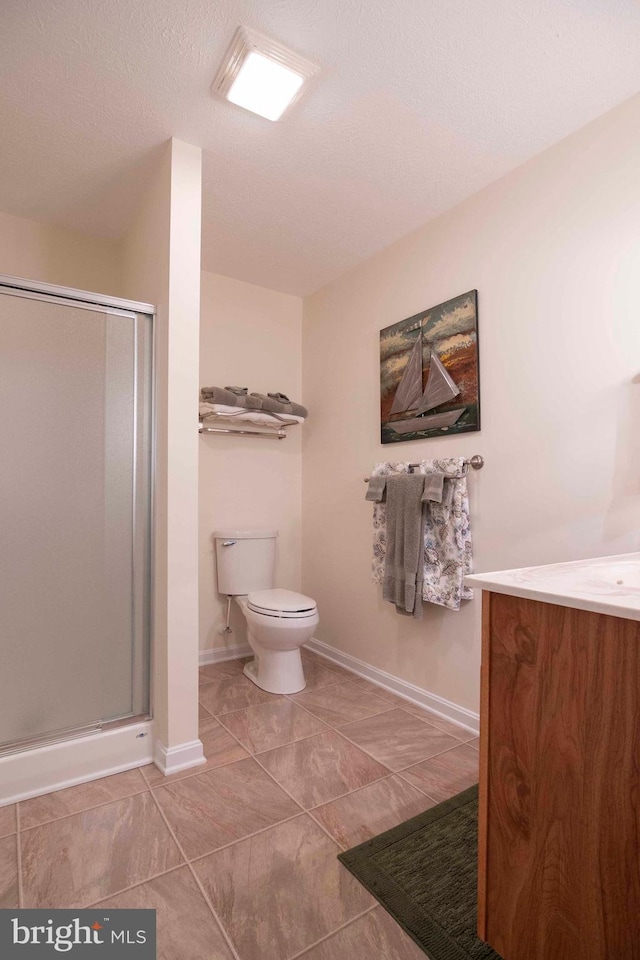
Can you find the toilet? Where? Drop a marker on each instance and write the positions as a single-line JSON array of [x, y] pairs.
[[279, 621]]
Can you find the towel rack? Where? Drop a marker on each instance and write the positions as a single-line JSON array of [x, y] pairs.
[[476, 462], [275, 423], [279, 434]]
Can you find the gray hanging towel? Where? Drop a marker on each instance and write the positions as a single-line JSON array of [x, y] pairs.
[[433, 486], [384, 469], [403, 563], [375, 489]]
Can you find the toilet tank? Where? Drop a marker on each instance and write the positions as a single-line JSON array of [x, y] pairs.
[[245, 560]]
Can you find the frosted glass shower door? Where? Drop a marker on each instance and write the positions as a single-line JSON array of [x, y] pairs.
[[75, 443]]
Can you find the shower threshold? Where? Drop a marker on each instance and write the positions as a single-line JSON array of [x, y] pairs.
[[69, 733], [17, 746], [35, 767]]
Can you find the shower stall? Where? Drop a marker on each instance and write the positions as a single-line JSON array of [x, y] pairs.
[[76, 438]]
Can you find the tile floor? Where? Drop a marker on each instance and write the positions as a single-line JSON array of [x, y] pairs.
[[238, 855]]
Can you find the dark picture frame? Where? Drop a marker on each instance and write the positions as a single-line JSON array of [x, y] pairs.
[[430, 372]]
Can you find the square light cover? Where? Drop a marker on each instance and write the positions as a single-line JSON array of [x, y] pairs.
[[261, 75]]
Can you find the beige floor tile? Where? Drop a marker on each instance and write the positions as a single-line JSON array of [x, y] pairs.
[[398, 739], [219, 748], [312, 655], [186, 928], [270, 725], [372, 810], [232, 693], [321, 768], [8, 873], [278, 892], [444, 776], [227, 668], [341, 671], [342, 703], [88, 856], [475, 743], [223, 805], [376, 936], [317, 674], [62, 803], [203, 714], [447, 726], [380, 692], [7, 820]]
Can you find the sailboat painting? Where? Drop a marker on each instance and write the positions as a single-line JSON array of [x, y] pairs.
[[429, 372]]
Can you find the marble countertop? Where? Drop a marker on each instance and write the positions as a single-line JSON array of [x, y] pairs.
[[609, 585]]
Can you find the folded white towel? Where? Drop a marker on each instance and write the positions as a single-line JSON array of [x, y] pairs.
[[244, 415]]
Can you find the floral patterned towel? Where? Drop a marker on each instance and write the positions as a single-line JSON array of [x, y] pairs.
[[447, 538]]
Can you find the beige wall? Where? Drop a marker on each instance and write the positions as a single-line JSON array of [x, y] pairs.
[[554, 251], [249, 336], [41, 251]]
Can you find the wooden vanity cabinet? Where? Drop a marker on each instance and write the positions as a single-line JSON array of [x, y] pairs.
[[559, 824]]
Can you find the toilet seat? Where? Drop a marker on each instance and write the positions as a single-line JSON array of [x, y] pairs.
[[282, 604]]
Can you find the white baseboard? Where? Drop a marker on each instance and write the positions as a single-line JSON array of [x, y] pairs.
[[408, 691], [174, 759], [220, 654]]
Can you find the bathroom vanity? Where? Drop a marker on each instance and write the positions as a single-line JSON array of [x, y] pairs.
[[559, 821]]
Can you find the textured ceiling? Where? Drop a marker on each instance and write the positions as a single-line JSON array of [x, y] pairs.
[[419, 103]]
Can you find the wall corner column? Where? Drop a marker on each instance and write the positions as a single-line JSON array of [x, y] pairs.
[[162, 266]]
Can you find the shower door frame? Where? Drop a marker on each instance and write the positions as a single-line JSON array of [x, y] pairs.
[[116, 745]]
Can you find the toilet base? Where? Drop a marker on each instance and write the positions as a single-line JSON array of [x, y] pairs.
[[277, 671]]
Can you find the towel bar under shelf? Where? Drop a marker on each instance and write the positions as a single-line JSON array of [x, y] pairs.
[[279, 434]]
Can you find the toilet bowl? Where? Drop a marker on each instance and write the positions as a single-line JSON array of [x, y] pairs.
[[279, 621]]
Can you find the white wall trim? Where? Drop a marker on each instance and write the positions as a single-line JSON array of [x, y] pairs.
[[408, 691], [174, 759], [220, 654], [32, 773]]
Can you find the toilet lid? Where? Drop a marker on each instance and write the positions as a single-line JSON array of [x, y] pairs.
[[281, 603]]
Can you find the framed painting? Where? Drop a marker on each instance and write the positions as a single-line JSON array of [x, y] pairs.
[[429, 372]]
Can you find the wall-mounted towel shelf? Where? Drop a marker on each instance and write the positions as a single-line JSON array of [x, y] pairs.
[[476, 462], [245, 424]]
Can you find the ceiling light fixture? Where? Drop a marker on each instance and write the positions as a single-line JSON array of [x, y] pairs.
[[261, 75]]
